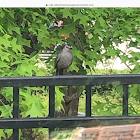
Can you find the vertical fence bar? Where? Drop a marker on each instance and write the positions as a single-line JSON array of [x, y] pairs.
[[15, 110], [88, 101], [51, 104], [125, 100]]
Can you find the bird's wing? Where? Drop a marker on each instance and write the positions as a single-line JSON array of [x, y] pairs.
[[57, 59]]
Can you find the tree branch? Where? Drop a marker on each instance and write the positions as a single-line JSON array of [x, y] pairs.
[[125, 64]]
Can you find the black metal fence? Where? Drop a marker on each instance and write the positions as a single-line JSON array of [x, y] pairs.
[[50, 122]]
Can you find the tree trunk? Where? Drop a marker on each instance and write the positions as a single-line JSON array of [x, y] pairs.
[[71, 99]]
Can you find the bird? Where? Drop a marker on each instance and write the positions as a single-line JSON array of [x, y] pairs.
[[64, 59]]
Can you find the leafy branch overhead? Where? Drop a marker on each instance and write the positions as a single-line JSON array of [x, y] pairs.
[[92, 30]]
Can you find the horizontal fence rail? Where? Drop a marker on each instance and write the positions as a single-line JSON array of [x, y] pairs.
[[70, 80], [52, 122], [67, 122]]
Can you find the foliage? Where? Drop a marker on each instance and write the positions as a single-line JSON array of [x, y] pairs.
[[22, 28], [107, 100], [106, 28]]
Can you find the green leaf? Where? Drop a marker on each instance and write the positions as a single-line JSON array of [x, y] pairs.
[[77, 53], [111, 52], [59, 97], [33, 54], [63, 31], [41, 35], [77, 16], [14, 28], [117, 33], [31, 30], [22, 41], [124, 58], [129, 11], [74, 66], [4, 65], [6, 111], [11, 13], [102, 22], [36, 14], [17, 62], [2, 13], [124, 37], [5, 56], [66, 12], [9, 132], [50, 11], [84, 20], [89, 63], [2, 29], [70, 28], [90, 53], [20, 133], [46, 41], [90, 36], [34, 112], [7, 93], [133, 44], [98, 29], [4, 40], [133, 90], [2, 134], [16, 47], [35, 108]]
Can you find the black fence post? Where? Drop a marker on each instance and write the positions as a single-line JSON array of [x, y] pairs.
[[51, 104], [15, 110], [125, 100], [88, 101]]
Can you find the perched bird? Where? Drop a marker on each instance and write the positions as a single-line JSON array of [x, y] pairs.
[[64, 59]]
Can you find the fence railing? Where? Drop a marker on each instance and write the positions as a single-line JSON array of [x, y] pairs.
[[50, 122]]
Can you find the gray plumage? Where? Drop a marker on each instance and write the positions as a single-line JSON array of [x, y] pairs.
[[63, 60]]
